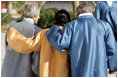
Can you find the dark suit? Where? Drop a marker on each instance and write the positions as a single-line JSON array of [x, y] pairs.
[[24, 65]]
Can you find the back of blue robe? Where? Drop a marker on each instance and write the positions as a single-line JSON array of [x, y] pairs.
[[107, 13], [91, 43]]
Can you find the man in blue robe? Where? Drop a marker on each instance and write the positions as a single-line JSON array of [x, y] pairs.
[[91, 44], [107, 11]]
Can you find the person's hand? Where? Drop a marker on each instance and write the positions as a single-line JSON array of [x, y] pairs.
[[111, 72]]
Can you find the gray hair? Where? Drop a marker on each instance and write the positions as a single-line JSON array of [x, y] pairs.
[[83, 8], [31, 10]]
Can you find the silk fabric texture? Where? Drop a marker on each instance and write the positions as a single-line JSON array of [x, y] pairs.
[[107, 13], [52, 62], [91, 43], [28, 67]]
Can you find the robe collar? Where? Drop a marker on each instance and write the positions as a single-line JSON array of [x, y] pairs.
[[84, 14], [109, 3], [29, 20]]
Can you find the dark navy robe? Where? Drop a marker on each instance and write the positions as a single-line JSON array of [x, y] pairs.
[[107, 13], [91, 44]]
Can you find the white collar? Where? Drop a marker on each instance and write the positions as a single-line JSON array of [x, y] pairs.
[[30, 20], [109, 3], [83, 14]]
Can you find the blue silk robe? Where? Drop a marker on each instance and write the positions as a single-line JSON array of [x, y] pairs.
[[107, 13], [91, 43]]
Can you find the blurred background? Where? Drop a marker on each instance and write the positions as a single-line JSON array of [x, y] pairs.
[[11, 11]]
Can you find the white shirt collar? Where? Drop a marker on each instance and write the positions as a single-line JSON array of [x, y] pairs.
[[83, 14], [109, 3], [30, 20]]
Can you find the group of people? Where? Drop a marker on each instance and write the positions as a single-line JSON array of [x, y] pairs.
[[84, 47]]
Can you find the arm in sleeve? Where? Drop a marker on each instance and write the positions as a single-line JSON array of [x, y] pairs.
[[37, 29], [111, 48], [36, 56], [60, 39], [22, 44], [97, 10]]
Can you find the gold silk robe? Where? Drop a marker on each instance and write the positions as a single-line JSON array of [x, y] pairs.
[[52, 62]]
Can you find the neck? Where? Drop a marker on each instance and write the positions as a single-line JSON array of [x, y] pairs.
[[58, 25]]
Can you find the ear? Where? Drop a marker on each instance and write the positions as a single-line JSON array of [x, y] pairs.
[[90, 11], [77, 15]]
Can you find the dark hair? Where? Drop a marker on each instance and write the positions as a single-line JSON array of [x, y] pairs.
[[62, 17]]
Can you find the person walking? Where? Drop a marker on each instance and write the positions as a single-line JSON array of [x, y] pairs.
[[24, 65], [91, 44]]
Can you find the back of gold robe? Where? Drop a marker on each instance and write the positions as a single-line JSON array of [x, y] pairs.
[[52, 62]]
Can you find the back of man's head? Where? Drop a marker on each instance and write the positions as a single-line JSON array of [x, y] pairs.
[[83, 8], [31, 10]]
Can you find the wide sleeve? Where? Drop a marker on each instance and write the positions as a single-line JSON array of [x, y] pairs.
[[97, 10], [111, 48], [22, 44], [36, 56], [60, 39]]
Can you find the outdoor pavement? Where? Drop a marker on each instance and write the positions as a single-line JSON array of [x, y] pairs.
[[3, 51], [2, 47]]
